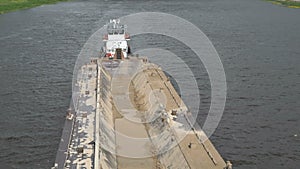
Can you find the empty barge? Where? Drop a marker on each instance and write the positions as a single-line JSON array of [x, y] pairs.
[[129, 116]]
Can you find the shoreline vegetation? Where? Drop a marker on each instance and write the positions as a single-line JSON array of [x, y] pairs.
[[14, 5], [287, 3]]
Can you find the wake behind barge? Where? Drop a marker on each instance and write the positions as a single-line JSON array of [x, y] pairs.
[[129, 116]]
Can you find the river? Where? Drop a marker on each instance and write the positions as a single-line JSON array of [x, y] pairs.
[[258, 44]]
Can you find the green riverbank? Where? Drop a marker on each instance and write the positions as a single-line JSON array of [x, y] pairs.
[[287, 3], [13, 5]]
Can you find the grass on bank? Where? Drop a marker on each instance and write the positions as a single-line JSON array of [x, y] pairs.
[[287, 3], [13, 5]]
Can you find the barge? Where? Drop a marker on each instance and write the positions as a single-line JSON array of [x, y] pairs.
[[129, 116]]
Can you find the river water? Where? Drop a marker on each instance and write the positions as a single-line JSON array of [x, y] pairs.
[[258, 43]]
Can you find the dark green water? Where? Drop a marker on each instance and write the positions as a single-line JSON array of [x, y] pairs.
[[258, 43]]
